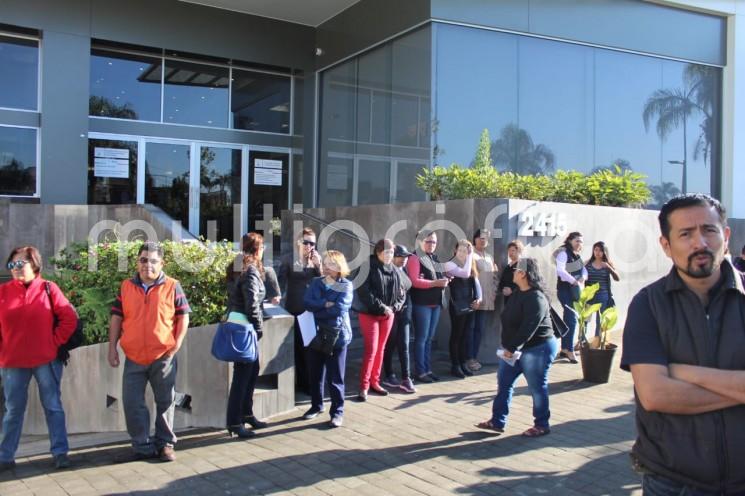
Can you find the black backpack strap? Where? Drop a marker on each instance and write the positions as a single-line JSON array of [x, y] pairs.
[[48, 289]]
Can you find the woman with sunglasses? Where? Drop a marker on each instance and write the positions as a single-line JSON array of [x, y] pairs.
[[296, 272], [330, 298], [527, 329], [379, 298], [35, 319], [245, 297]]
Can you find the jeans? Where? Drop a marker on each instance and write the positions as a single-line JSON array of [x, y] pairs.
[[319, 365], [425, 325], [241, 398], [656, 485], [474, 337], [15, 387], [534, 363], [161, 374], [398, 341], [567, 296], [459, 327]]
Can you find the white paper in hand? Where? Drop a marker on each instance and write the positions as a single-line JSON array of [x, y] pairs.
[[511, 361], [307, 324]]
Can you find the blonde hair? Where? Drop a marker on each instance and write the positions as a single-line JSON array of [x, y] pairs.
[[338, 258], [466, 243]]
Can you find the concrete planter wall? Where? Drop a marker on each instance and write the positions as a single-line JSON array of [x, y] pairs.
[[631, 234], [91, 389]]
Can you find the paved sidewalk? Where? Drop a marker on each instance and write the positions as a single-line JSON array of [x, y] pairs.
[[423, 444]]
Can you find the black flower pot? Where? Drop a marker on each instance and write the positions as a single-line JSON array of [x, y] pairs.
[[596, 363]]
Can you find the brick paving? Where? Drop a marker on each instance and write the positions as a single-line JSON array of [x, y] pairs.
[[423, 444]]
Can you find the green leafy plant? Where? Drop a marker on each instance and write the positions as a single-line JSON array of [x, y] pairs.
[[608, 320], [90, 277], [585, 310]]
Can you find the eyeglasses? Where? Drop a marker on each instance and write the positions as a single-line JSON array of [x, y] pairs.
[[309, 243], [152, 261], [18, 264]]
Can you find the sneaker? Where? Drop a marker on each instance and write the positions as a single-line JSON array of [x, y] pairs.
[[433, 376], [407, 386], [312, 413], [425, 378], [391, 381], [61, 461], [336, 421], [167, 454], [474, 365], [7, 465], [380, 391]]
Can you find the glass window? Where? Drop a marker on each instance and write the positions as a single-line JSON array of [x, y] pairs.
[[260, 102], [406, 190], [125, 86], [297, 178], [335, 183], [167, 179], [268, 186], [220, 191], [19, 65], [195, 94], [17, 161], [374, 183], [112, 172], [297, 108]]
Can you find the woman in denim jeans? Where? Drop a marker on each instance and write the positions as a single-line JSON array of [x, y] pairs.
[[28, 314], [527, 330], [570, 275]]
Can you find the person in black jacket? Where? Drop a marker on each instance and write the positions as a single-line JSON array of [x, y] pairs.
[[528, 347], [245, 296], [739, 262], [507, 285], [380, 296], [295, 274]]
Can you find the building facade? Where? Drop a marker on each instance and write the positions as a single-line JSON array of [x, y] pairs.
[[210, 113]]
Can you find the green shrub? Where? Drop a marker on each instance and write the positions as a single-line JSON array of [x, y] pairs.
[[617, 187], [199, 267]]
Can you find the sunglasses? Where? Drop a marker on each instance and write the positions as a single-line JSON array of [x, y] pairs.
[[309, 243], [18, 264], [152, 261]]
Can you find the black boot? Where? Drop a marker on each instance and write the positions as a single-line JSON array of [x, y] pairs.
[[240, 431], [455, 371], [466, 371], [254, 422]]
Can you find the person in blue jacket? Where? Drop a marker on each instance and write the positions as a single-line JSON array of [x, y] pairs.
[[329, 297]]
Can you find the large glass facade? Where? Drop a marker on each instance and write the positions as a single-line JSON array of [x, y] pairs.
[[17, 161], [375, 122], [19, 66], [551, 105], [260, 102], [125, 86]]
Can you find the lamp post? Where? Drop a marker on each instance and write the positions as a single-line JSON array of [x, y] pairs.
[[683, 185]]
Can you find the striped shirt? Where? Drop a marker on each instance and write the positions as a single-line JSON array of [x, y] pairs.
[[598, 276]]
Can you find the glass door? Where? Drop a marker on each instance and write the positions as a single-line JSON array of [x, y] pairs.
[[269, 185], [219, 192], [168, 173]]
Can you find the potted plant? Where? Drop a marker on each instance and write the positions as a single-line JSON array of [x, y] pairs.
[[597, 355]]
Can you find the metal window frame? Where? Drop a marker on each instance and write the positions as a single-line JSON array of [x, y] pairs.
[[37, 193]]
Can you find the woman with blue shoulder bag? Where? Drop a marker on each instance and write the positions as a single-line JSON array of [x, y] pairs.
[[245, 296], [329, 297]]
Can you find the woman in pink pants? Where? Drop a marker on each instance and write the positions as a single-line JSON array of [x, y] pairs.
[[379, 297]]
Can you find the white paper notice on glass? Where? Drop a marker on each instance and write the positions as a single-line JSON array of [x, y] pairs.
[[307, 324], [268, 172], [511, 361], [111, 162]]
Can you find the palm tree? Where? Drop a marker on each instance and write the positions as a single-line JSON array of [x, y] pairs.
[[673, 107], [515, 151], [663, 192]]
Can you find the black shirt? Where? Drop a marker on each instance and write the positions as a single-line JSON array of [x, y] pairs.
[[526, 321]]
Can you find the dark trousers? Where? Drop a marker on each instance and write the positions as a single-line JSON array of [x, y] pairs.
[[301, 361], [459, 327], [324, 367], [656, 485], [241, 398], [398, 341]]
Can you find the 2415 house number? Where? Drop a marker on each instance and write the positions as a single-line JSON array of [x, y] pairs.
[[542, 224]]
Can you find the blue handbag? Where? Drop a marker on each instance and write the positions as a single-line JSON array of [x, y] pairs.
[[235, 342]]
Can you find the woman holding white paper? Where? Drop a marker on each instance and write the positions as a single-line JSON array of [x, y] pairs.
[[526, 327]]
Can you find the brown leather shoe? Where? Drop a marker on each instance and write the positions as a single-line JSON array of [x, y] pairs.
[[167, 454]]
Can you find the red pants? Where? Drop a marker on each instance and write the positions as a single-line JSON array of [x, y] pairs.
[[375, 330]]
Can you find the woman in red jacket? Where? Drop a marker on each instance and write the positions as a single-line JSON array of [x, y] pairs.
[[29, 338]]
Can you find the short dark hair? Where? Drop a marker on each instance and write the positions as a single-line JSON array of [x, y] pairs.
[[517, 244], [384, 244], [152, 247], [31, 253], [685, 201]]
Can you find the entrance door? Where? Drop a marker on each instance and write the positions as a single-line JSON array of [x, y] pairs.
[[219, 192], [269, 185], [168, 176]]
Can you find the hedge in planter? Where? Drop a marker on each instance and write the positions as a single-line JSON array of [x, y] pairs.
[[200, 267]]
